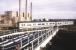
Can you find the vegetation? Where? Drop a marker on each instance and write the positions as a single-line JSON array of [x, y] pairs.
[[69, 28]]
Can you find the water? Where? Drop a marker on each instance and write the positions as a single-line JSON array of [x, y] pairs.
[[64, 40]]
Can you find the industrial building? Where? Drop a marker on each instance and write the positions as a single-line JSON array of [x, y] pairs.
[[11, 18]]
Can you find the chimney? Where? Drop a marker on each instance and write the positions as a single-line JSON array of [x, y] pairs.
[[19, 10], [26, 10], [31, 11]]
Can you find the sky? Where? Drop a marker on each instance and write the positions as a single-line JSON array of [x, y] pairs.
[[49, 9]]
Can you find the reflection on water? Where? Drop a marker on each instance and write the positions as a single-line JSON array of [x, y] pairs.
[[64, 40]]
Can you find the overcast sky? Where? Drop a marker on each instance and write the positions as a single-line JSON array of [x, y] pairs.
[[44, 8]]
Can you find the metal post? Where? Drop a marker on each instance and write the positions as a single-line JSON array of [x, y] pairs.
[[46, 34], [33, 36], [21, 42], [38, 37], [42, 36], [3, 48], [28, 37], [49, 32], [32, 45]]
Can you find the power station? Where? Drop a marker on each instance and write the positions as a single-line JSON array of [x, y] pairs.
[[28, 35], [27, 15]]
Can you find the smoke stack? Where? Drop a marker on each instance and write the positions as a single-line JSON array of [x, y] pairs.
[[26, 10], [19, 9], [31, 11]]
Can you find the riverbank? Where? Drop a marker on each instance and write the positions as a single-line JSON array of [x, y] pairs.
[[64, 40]]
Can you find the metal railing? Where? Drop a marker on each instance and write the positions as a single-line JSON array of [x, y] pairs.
[[24, 41]]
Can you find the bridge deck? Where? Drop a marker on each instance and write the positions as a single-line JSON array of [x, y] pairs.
[[46, 40]]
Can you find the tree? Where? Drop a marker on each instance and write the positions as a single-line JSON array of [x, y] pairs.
[[44, 19]]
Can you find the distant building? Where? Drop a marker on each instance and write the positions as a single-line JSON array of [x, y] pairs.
[[6, 21], [15, 14], [11, 18], [11, 13]]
